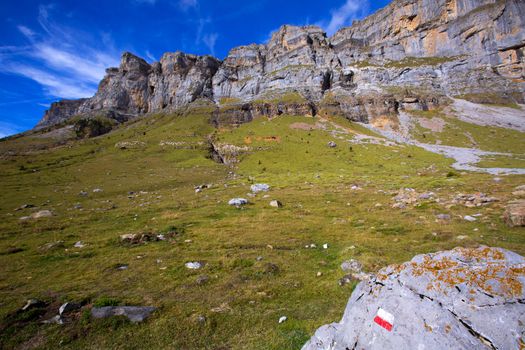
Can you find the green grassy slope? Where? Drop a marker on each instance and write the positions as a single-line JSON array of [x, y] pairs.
[[312, 180]]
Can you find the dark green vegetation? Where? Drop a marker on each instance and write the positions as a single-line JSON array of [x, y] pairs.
[[148, 186]]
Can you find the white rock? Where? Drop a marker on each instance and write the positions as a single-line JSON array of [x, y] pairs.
[[325, 246], [259, 188], [79, 244], [238, 201], [282, 319], [193, 265], [469, 218]]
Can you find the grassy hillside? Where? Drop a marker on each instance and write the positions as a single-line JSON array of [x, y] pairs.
[[255, 258]]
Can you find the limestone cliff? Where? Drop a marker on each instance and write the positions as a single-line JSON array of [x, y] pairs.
[[410, 54]]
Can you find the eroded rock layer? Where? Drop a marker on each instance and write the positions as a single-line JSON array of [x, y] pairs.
[[411, 54]]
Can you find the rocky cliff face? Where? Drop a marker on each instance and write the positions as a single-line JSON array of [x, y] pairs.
[[411, 54]]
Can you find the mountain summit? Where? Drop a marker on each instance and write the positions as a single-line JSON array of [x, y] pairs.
[[412, 54]]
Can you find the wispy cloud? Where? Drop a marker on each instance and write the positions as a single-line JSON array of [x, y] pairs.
[[345, 15], [59, 58], [210, 40]]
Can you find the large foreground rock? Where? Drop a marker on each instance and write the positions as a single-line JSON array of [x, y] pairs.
[[458, 299]]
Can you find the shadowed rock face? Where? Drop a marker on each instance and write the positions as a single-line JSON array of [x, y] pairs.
[[458, 299], [422, 50]]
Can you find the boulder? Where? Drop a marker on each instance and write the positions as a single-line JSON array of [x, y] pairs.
[[256, 188], [42, 214], [238, 202], [457, 299], [276, 204], [515, 213], [135, 314]]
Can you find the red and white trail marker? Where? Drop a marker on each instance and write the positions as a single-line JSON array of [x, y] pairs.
[[384, 319]]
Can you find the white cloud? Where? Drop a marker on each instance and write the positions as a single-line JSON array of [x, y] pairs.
[[26, 31], [210, 40], [65, 62], [345, 15]]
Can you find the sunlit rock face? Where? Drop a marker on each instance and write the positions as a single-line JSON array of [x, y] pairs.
[[420, 50]]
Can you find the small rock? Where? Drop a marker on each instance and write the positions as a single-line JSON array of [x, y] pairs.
[[67, 308], [202, 280], [42, 214], [352, 266], [24, 206], [332, 144], [319, 274], [469, 218], [259, 258], [276, 204], [121, 267], [461, 238], [515, 213], [444, 217], [54, 320], [193, 265], [79, 244], [238, 202], [256, 188], [97, 190], [282, 319], [135, 314], [325, 246], [83, 193], [32, 303]]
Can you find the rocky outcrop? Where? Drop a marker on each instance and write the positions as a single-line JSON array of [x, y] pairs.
[[409, 55], [458, 299]]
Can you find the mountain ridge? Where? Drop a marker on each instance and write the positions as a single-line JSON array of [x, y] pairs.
[[411, 54]]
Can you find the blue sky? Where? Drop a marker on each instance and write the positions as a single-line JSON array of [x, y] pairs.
[[60, 49]]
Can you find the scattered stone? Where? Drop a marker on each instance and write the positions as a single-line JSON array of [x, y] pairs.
[[399, 206], [135, 314], [79, 244], [97, 190], [39, 214], [332, 144], [458, 299], [238, 202], [276, 204], [54, 320], [52, 245], [259, 258], [325, 246], [282, 319], [346, 279], [515, 213], [77, 206], [256, 188], [83, 194], [32, 303], [461, 237], [319, 274], [355, 188], [443, 217], [469, 218], [142, 238], [195, 265], [67, 308], [202, 280], [427, 195], [352, 266], [24, 206], [121, 267], [474, 200]]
